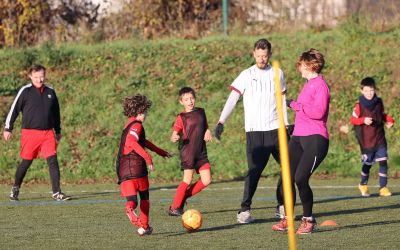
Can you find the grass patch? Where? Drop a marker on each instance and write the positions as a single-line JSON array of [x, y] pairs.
[[95, 218], [91, 82]]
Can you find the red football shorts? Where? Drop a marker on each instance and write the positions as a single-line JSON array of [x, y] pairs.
[[203, 167], [35, 141], [132, 186]]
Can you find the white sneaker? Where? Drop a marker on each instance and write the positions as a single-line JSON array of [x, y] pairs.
[[244, 217], [60, 197], [141, 231]]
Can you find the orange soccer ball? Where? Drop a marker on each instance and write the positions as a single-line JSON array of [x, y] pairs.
[[192, 220]]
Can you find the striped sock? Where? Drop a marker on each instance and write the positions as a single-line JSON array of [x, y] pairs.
[[383, 174], [365, 174]]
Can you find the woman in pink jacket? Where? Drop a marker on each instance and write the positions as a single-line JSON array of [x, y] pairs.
[[310, 141]]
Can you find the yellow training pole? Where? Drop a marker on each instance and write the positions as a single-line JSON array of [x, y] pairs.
[[283, 148]]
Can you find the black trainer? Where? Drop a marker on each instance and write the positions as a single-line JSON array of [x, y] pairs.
[[14, 194], [175, 211]]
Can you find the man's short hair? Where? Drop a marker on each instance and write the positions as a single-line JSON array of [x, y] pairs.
[[36, 68], [263, 44]]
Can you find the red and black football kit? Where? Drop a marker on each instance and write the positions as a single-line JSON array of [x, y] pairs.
[[130, 165], [192, 147], [193, 152], [131, 168], [371, 138], [40, 115]]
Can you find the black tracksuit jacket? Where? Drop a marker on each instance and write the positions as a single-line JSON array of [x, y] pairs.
[[40, 111]]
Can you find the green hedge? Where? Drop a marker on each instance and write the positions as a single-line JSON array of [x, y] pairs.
[[91, 82]]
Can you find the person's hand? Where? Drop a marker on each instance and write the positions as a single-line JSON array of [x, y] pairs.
[[208, 136], [368, 120], [151, 167], [389, 124], [174, 137], [288, 101], [218, 130], [58, 137], [7, 135]]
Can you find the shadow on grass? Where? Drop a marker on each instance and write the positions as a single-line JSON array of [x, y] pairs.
[[211, 229], [371, 224], [236, 210], [357, 211], [74, 196], [91, 194], [340, 198]]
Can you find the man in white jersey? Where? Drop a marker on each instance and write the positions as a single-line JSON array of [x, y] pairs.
[[256, 85]]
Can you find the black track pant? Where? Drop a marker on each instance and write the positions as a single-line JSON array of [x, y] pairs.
[[305, 154], [260, 145]]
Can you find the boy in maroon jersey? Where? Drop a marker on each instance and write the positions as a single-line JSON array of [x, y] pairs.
[[132, 160], [191, 130], [369, 119]]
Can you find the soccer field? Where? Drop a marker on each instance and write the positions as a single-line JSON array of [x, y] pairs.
[[95, 219]]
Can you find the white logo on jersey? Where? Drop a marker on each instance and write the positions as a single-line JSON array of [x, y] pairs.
[[49, 96]]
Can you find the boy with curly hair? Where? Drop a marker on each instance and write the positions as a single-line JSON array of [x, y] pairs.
[[133, 160]]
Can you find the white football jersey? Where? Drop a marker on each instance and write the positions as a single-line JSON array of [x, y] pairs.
[[257, 86]]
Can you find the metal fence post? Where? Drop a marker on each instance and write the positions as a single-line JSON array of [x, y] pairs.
[[225, 16]]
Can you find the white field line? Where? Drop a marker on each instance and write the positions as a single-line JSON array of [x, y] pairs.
[[206, 189], [274, 187]]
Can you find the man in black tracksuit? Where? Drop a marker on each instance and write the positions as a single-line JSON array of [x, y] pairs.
[[40, 115]]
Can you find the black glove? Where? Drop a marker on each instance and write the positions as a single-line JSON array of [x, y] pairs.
[[288, 102], [218, 130], [289, 129]]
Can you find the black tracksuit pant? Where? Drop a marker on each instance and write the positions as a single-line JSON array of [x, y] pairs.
[[260, 145]]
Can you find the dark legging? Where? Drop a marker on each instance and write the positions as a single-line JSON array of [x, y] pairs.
[[21, 172], [305, 154], [54, 170]]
